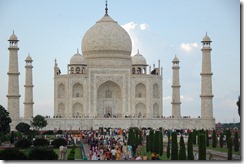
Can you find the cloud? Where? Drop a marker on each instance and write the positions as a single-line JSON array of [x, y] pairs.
[[136, 31], [129, 26], [188, 46], [185, 98], [167, 98], [144, 26]]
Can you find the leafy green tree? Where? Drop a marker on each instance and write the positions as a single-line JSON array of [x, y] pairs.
[[202, 147], [190, 147], [214, 139], [182, 151], [229, 148], [39, 122], [238, 105], [5, 120], [23, 127], [236, 142], [221, 141], [174, 149]]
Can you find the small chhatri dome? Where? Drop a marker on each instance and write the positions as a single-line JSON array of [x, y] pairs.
[[28, 58], [13, 37], [138, 59], [206, 38], [176, 59], [78, 59]]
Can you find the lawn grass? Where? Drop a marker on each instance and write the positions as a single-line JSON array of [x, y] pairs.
[[77, 153], [163, 157], [223, 150]]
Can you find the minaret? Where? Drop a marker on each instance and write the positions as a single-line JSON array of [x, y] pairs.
[[206, 93], [56, 69], [13, 78], [176, 89], [28, 88]]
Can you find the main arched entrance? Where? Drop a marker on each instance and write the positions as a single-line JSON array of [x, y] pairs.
[[109, 102]]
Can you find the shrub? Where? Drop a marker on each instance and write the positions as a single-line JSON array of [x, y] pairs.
[[12, 154], [59, 132], [42, 153], [58, 142], [23, 143], [49, 132], [71, 155], [4, 137], [41, 142]]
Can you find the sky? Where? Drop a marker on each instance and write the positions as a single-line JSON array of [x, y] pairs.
[[160, 29]]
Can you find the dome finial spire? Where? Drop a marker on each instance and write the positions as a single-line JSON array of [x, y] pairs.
[[106, 8]]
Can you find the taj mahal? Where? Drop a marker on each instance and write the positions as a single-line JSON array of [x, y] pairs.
[[105, 85]]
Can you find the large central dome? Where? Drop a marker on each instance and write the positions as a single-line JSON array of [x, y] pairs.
[[106, 39]]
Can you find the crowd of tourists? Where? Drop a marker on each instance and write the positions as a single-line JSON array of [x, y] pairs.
[[112, 145]]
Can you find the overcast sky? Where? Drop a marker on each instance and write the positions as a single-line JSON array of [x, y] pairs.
[[160, 29]]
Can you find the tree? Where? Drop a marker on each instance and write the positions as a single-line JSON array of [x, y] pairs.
[[229, 141], [190, 147], [214, 139], [228, 136], [194, 140], [202, 147], [161, 144], [131, 139], [151, 140], [182, 151], [136, 137], [174, 149], [236, 142], [168, 146], [140, 138], [39, 122], [5, 120], [238, 105], [147, 143], [156, 145], [207, 139], [221, 141], [23, 127]]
